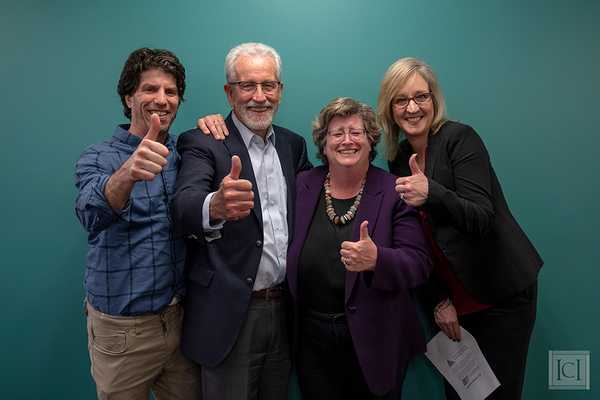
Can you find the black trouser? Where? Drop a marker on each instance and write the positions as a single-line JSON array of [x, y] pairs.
[[258, 366], [327, 364], [503, 334]]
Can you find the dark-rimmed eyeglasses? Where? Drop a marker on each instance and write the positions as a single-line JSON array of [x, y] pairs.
[[267, 87], [403, 101]]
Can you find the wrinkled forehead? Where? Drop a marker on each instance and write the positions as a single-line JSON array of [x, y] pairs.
[[346, 122], [157, 76], [247, 66]]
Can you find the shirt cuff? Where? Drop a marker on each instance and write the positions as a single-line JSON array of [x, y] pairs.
[[98, 199], [206, 225]]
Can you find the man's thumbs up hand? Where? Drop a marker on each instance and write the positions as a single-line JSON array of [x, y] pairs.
[[154, 129], [150, 157], [235, 198], [236, 168]]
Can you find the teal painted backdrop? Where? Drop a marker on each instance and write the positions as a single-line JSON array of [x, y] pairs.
[[525, 74]]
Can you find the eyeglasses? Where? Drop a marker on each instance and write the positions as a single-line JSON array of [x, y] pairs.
[[403, 101], [340, 134], [267, 87]]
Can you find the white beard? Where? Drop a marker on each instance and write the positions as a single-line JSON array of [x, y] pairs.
[[252, 120]]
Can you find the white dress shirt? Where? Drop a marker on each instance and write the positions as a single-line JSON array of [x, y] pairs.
[[272, 190]]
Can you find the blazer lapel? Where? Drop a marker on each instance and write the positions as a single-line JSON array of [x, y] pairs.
[[368, 210], [236, 146], [309, 191], [432, 149], [289, 172]]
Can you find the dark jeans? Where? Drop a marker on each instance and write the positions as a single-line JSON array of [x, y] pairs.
[[328, 368], [258, 366], [503, 334]]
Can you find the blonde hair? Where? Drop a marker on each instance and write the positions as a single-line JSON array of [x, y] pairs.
[[393, 81]]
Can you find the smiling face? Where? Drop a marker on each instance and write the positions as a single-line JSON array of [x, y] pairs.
[[156, 94], [347, 144], [254, 109], [416, 118]]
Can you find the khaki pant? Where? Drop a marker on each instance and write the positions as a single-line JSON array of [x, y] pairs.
[[132, 356]]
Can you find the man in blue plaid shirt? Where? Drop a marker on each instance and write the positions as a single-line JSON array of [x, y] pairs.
[[134, 268]]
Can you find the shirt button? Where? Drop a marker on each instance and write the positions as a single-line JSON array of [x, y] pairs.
[[249, 281], [258, 243]]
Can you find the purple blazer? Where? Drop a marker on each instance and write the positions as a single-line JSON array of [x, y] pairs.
[[381, 315]]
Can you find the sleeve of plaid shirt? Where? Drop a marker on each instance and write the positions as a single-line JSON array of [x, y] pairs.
[[91, 175]]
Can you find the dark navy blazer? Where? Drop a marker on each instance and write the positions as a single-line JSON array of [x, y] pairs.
[[221, 273]]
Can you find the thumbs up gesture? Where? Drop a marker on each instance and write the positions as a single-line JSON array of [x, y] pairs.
[[150, 157], [235, 198], [361, 255], [413, 189]]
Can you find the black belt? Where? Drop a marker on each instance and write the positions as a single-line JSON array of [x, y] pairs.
[[333, 317], [275, 292]]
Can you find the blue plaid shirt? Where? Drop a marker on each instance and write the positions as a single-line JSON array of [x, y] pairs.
[[134, 262]]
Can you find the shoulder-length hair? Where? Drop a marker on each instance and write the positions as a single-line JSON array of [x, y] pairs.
[[393, 81]]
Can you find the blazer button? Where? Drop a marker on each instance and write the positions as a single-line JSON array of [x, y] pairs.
[[352, 309], [258, 243], [249, 281]]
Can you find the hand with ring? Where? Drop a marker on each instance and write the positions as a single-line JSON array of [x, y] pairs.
[[413, 189], [361, 255]]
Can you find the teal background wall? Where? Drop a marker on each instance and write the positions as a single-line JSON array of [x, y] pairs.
[[525, 74]]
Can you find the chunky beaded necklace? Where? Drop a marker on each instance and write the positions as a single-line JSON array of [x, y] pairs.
[[349, 215]]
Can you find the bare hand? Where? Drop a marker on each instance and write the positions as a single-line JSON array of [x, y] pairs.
[[413, 189], [235, 198], [144, 164], [361, 255], [214, 125], [447, 319], [150, 157]]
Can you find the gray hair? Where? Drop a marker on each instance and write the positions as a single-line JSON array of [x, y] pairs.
[[250, 49]]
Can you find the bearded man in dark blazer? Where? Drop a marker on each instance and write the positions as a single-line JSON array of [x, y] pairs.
[[234, 202]]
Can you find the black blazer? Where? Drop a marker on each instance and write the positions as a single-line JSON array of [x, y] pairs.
[[221, 273], [471, 223]]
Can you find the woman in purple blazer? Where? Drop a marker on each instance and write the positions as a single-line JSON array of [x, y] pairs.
[[357, 250]]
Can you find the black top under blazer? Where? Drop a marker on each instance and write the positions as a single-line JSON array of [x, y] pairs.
[[470, 220]]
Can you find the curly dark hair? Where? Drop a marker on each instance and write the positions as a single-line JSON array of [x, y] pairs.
[[145, 59]]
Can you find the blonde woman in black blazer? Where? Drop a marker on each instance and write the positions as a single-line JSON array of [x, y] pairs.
[[485, 278]]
